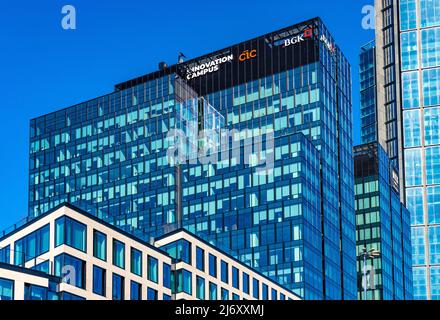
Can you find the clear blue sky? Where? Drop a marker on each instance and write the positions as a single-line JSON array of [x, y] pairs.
[[44, 68]]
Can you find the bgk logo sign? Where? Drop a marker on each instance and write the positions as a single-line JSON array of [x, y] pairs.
[[298, 39], [247, 55]]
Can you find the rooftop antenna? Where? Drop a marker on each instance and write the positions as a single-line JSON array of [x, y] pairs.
[[181, 58]]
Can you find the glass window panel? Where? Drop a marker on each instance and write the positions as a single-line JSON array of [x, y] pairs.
[[409, 51], [432, 126], [413, 167], [411, 120]]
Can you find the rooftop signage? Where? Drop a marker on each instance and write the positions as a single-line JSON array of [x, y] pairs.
[[299, 38], [330, 46], [208, 67]]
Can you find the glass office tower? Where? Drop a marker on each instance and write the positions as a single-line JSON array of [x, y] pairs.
[[420, 63], [383, 224], [290, 89], [408, 42], [367, 76]]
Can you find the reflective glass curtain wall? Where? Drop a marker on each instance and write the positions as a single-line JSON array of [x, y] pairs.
[[420, 62]]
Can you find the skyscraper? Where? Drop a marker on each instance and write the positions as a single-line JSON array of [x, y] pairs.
[[368, 101], [408, 66], [382, 224], [281, 101]]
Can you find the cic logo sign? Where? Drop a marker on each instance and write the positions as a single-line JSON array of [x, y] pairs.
[[247, 55]]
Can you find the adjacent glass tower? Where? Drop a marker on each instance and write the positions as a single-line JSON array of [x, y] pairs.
[[283, 102], [420, 63], [368, 101], [383, 224], [408, 43]]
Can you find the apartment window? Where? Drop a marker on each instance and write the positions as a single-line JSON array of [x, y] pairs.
[[118, 254], [65, 296], [282, 296], [235, 278], [32, 246], [5, 255], [273, 294], [166, 297], [151, 294], [245, 283], [71, 269], [184, 281], [265, 290], [212, 291], [166, 275], [117, 287], [136, 262], [200, 290], [180, 250], [200, 259], [43, 267], [99, 281], [99, 245], [71, 233], [225, 294], [34, 292], [256, 288], [6, 289], [152, 269], [212, 265], [224, 272], [135, 291]]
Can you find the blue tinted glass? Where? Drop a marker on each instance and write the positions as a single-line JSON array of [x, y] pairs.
[[151, 294], [256, 289], [167, 276], [6, 289], [225, 294], [200, 259], [235, 278], [409, 51], [32, 245], [135, 291], [433, 165], [410, 90], [33, 292], [408, 14], [200, 292], [99, 245], [118, 254], [71, 269], [117, 287], [411, 120], [70, 232], [224, 271], [5, 255], [430, 13], [212, 265], [245, 283], [136, 262], [418, 245], [431, 48], [98, 281], [152, 269], [212, 291]]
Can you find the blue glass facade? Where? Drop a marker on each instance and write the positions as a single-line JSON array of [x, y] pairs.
[[110, 157], [420, 55], [382, 223], [367, 76]]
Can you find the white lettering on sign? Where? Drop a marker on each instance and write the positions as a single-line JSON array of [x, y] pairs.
[[208, 67], [330, 46]]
